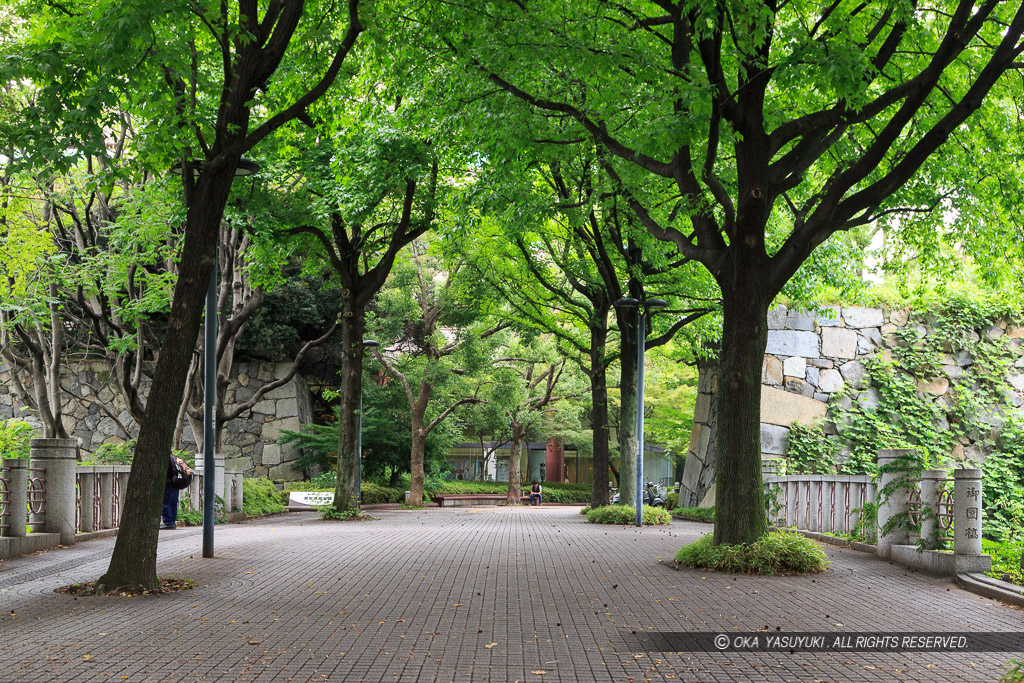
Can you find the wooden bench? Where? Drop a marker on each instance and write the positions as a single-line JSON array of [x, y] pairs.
[[446, 500]]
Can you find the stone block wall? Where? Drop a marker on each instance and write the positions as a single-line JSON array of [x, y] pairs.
[[810, 357], [95, 413]]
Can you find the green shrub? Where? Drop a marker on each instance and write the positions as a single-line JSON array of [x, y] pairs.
[[15, 434], [324, 481], [672, 501], [626, 514], [375, 494], [780, 552], [115, 453], [553, 492], [1006, 559], [695, 514], [259, 497], [585, 510], [195, 517]]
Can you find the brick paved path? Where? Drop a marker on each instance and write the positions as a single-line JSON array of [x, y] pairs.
[[488, 594]]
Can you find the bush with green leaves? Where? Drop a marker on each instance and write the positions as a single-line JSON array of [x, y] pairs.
[[259, 497], [115, 453], [553, 492], [192, 517], [672, 501], [15, 435], [375, 494], [625, 515], [780, 552], [695, 514]]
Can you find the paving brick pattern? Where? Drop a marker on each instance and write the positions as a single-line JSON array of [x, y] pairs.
[[488, 594]]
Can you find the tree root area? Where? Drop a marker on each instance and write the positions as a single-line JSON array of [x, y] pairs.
[[167, 585]]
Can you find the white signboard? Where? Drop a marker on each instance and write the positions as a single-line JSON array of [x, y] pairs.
[[311, 498]]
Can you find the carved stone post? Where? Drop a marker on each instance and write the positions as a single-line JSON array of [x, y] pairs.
[[967, 523]]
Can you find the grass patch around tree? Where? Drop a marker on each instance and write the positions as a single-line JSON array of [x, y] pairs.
[[695, 514], [626, 514], [779, 552]]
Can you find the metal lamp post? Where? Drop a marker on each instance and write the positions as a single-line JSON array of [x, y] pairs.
[[244, 168], [641, 334], [367, 344]]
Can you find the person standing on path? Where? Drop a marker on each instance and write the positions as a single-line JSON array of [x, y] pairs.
[[179, 476], [535, 493]]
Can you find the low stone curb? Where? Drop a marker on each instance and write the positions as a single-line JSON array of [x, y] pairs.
[[985, 585]]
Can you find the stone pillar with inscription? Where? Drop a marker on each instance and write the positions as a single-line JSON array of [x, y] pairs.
[[967, 522]]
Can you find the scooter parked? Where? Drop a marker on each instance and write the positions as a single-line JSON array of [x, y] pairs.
[[652, 496]]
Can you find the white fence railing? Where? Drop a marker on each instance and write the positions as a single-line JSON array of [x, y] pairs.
[[824, 503], [51, 493], [904, 507]]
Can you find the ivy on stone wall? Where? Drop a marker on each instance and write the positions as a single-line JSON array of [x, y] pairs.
[[941, 387]]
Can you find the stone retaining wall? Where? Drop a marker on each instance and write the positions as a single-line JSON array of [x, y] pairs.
[[810, 357], [248, 444]]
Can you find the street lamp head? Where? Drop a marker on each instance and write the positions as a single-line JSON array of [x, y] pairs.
[[244, 168], [630, 302], [369, 343]]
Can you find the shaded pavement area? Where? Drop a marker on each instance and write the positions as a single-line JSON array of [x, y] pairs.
[[472, 594]]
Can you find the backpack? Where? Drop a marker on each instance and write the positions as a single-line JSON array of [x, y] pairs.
[[177, 477]]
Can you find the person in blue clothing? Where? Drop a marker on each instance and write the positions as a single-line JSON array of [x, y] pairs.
[[535, 493], [179, 476]]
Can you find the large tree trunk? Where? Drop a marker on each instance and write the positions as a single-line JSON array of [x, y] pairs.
[[346, 488], [133, 562], [599, 414], [514, 491], [419, 445], [627, 392], [739, 496]]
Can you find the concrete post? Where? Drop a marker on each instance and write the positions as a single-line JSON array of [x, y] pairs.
[[791, 503], [893, 504], [239, 497], [106, 477], [828, 506], [229, 492], [86, 497], [193, 490], [967, 512], [929, 502], [218, 473], [17, 496], [57, 457], [814, 494]]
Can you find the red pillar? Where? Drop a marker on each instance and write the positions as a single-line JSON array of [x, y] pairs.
[[555, 456]]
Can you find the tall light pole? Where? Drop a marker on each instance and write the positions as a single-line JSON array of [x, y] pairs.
[[367, 344], [244, 168], [641, 337]]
